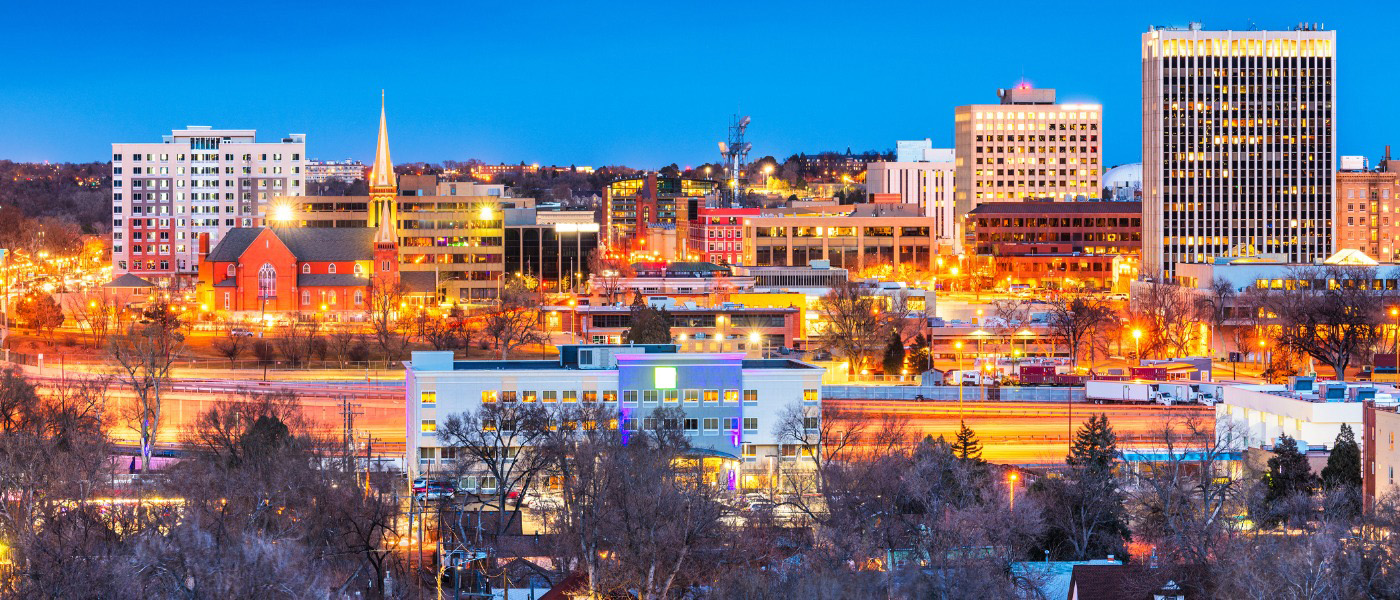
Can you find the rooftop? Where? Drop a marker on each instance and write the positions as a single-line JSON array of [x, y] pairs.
[[1057, 208]]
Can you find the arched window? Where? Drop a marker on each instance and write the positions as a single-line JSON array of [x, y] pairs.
[[330, 268], [267, 281], [306, 268], [305, 297], [359, 269], [359, 297], [229, 270]]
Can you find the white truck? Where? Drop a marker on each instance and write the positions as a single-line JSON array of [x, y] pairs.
[[1165, 393]]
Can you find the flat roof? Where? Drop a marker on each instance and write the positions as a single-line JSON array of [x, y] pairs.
[[547, 365]]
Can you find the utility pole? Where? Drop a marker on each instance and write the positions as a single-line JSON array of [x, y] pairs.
[[347, 415]]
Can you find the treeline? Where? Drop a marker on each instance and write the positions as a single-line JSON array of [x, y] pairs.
[[78, 193]]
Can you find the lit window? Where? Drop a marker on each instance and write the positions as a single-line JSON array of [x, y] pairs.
[[428, 397], [429, 426]]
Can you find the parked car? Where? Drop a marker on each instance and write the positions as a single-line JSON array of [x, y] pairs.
[[430, 489], [240, 332]]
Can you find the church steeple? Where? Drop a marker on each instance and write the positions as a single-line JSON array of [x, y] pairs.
[[383, 187]]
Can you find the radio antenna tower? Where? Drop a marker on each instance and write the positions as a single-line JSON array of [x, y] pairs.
[[736, 154]]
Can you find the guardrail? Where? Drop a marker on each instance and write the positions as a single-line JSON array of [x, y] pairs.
[[949, 393]]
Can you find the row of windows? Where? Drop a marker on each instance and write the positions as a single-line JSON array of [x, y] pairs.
[[1061, 222], [692, 396], [688, 425], [116, 158]]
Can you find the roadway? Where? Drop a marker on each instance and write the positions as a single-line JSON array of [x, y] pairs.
[[1025, 433]]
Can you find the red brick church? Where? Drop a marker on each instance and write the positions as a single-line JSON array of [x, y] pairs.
[[311, 270]]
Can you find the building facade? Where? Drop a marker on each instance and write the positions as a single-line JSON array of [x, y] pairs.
[[1026, 148], [196, 181], [1060, 245], [717, 234], [321, 171], [1366, 219], [635, 206], [848, 242], [267, 270], [927, 184], [730, 403], [1238, 145], [555, 254]]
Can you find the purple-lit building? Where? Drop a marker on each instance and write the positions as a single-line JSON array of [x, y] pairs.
[[730, 402]]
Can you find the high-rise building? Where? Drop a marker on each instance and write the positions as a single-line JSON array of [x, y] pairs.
[[1237, 145], [198, 180], [322, 171], [640, 206], [1026, 148]]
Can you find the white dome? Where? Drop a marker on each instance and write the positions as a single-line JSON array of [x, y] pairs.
[[1121, 176]]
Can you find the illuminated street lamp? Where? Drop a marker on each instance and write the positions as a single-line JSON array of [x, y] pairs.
[[1137, 345], [1011, 484], [958, 346]]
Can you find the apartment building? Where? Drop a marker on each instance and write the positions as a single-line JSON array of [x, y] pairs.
[[717, 234], [321, 171], [1027, 147], [1365, 220], [731, 403], [853, 241], [197, 180], [927, 183], [1238, 145], [636, 206]]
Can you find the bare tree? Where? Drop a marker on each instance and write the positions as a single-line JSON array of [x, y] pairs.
[[143, 356], [232, 344], [857, 323], [1185, 499], [1334, 314], [1214, 307], [385, 314], [607, 274], [1074, 317], [500, 439], [94, 313], [515, 320], [297, 336], [1166, 313], [341, 343], [452, 331]]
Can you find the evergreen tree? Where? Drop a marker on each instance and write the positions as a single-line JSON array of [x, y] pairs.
[[1344, 464], [967, 446], [1289, 474], [649, 326], [894, 354], [1095, 445], [920, 354]]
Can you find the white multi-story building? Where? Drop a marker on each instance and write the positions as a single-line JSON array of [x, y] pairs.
[[926, 183], [195, 181], [321, 171], [731, 403], [1238, 145]]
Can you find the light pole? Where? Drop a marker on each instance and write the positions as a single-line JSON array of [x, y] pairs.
[[1137, 346], [958, 346], [1012, 486], [1395, 334]]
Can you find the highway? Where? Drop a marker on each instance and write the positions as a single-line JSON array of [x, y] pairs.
[[1024, 433]]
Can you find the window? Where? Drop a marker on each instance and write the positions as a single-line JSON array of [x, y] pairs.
[[305, 297], [731, 396], [671, 396], [712, 424], [359, 269], [692, 396], [629, 396], [570, 396], [508, 396], [330, 268], [650, 396], [750, 424], [429, 426], [748, 450], [692, 424], [428, 398], [750, 397], [488, 396], [549, 396], [306, 268], [228, 271], [731, 423], [649, 423], [590, 396], [610, 396], [527, 396], [810, 423], [267, 281], [359, 297], [712, 395], [809, 395], [384, 266]]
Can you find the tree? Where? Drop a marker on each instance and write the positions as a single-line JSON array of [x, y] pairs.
[[857, 322], [144, 355], [1332, 314], [1289, 479], [1166, 313], [501, 439], [297, 336], [40, 312], [1085, 507], [384, 312], [231, 345], [893, 361], [607, 273], [1344, 463], [648, 325], [1184, 501], [966, 445], [94, 313], [1214, 307], [1074, 317], [920, 354], [515, 320], [452, 331]]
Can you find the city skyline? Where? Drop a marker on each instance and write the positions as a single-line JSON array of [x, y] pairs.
[[629, 95]]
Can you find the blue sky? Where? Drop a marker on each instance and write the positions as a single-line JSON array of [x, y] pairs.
[[632, 83]]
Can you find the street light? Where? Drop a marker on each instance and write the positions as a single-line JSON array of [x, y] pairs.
[[958, 346], [1012, 486], [1137, 345]]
